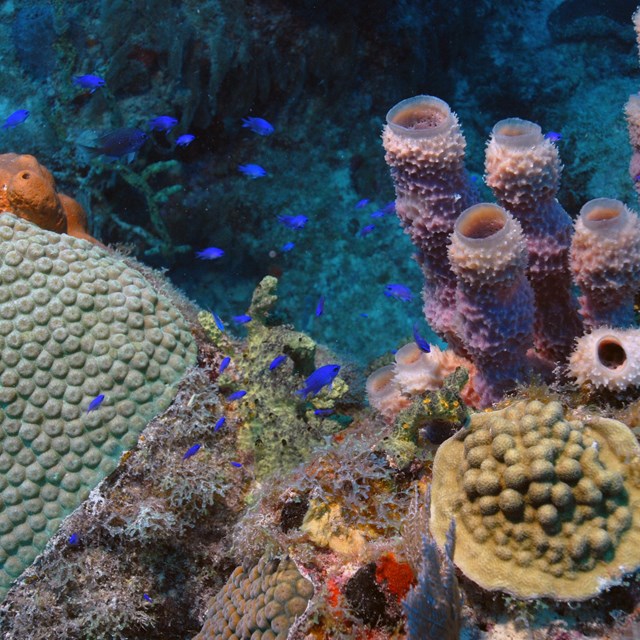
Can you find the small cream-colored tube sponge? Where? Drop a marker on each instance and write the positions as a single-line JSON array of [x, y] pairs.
[[523, 169], [488, 254], [425, 151], [75, 323], [605, 261], [384, 393], [608, 359]]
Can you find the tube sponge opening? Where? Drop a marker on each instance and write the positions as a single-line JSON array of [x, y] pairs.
[[515, 132], [420, 117], [481, 221]]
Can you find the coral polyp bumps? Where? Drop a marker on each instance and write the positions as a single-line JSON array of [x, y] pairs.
[[498, 277]]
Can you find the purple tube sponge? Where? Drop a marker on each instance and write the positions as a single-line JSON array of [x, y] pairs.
[[425, 152], [494, 299]]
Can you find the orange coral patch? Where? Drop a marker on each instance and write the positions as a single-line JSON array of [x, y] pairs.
[[396, 576]]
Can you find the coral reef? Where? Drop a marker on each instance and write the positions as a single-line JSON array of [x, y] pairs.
[[28, 190], [545, 503], [90, 353]]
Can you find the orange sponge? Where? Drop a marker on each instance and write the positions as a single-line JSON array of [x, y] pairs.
[[28, 190]]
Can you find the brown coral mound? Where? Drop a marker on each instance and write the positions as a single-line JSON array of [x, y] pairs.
[[28, 190], [545, 505]]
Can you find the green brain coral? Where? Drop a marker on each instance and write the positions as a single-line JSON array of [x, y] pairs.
[[545, 505], [74, 323]]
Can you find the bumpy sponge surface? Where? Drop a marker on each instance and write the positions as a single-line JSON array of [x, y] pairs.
[[545, 505], [75, 323], [261, 604]]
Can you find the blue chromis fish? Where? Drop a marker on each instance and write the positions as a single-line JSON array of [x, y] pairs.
[[236, 395], [554, 136], [95, 403], [242, 319], [323, 412], [235, 464], [210, 253], [390, 207], [89, 81], [321, 377], [252, 171], [119, 143], [320, 306], [146, 597], [362, 203], [191, 451], [162, 123], [287, 247], [224, 364], [73, 539], [219, 424], [423, 345], [258, 125], [16, 118], [185, 140], [294, 222], [366, 230], [277, 361], [399, 292]]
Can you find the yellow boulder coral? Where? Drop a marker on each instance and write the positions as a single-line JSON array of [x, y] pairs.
[[544, 505]]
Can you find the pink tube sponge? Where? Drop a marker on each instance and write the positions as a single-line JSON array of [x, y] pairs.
[[523, 169], [607, 359], [494, 299], [605, 260], [425, 152]]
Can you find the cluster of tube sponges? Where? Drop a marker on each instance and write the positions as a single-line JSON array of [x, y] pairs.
[[75, 324], [261, 603], [498, 277], [545, 505]]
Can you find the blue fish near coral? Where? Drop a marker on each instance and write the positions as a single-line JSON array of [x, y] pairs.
[[258, 125], [16, 118], [219, 424], [162, 123], [321, 377], [362, 203], [241, 319], [366, 230], [191, 451], [252, 171], [224, 364], [95, 403], [399, 292], [236, 395], [294, 222], [554, 136], [287, 247], [423, 345], [89, 81], [277, 361], [210, 253], [119, 143], [185, 140], [74, 538]]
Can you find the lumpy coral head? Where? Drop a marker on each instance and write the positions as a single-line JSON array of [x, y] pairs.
[[545, 505], [28, 190]]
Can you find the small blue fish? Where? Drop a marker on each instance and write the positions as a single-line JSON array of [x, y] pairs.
[[554, 136], [191, 451], [637, 178], [95, 403], [379, 213], [224, 364], [146, 597], [252, 171], [236, 464], [119, 143], [363, 315], [16, 118], [287, 247], [210, 253], [323, 412], [420, 341], [258, 125], [390, 207], [89, 81], [321, 377], [276, 362], [162, 123], [365, 231], [361, 204], [185, 140], [294, 222], [219, 424], [320, 307], [236, 395], [73, 540], [399, 292], [218, 321], [242, 319]]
